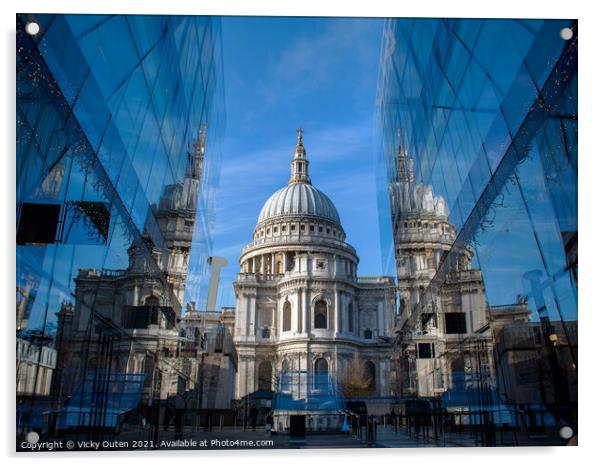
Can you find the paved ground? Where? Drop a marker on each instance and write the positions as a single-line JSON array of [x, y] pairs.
[[228, 439], [386, 437], [262, 439], [389, 438], [236, 438]]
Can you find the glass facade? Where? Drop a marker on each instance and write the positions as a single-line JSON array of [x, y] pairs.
[[118, 126], [482, 116], [471, 338]]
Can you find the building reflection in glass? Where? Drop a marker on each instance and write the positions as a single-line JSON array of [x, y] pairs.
[[117, 167], [478, 206]]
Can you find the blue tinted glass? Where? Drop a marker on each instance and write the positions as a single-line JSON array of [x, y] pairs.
[[486, 110]]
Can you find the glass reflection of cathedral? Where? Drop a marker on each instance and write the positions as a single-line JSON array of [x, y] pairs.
[[445, 334], [128, 320]]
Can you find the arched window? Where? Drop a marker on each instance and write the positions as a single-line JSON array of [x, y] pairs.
[[264, 376], [350, 317], [321, 365], [285, 377], [286, 317], [151, 301], [320, 314], [321, 374], [290, 259], [371, 374]]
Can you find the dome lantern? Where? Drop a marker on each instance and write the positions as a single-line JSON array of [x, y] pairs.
[[405, 162], [299, 164]]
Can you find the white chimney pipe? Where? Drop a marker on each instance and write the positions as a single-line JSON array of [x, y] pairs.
[[216, 264]]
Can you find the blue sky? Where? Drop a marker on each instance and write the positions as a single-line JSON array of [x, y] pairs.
[[282, 73]]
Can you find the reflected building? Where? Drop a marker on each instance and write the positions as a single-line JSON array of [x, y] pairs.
[[442, 343], [477, 174], [136, 311], [535, 363], [209, 337], [36, 363], [117, 167]]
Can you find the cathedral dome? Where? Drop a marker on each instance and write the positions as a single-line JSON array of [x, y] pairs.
[[408, 197], [417, 198], [299, 199]]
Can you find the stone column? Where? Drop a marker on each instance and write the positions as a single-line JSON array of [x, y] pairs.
[[307, 367], [135, 296], [381, 319], [337, 311], [252, 315], [251, 368], [356, 319], [244, 306], [344, 311], [307, 306], [241, 380], [299, 312], [241, 317], [382, 372]]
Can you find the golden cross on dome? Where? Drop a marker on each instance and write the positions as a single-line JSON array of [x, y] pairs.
[[299, 135]]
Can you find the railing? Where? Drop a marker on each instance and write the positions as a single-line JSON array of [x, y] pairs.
[[376, 279], [298, 240], [520, 307], [272, 279], [463, 275], [250, 277], [421, 236], [113, 273]]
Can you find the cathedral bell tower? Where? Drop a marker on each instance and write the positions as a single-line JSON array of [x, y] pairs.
[[405, 163]]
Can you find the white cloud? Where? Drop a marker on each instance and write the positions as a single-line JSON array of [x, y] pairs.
[[339, 142], [229, 252], [312, 60], [338, 54]]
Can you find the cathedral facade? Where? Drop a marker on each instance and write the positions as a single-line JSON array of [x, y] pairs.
[[134, 314], [303, 316], [445, 321]]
